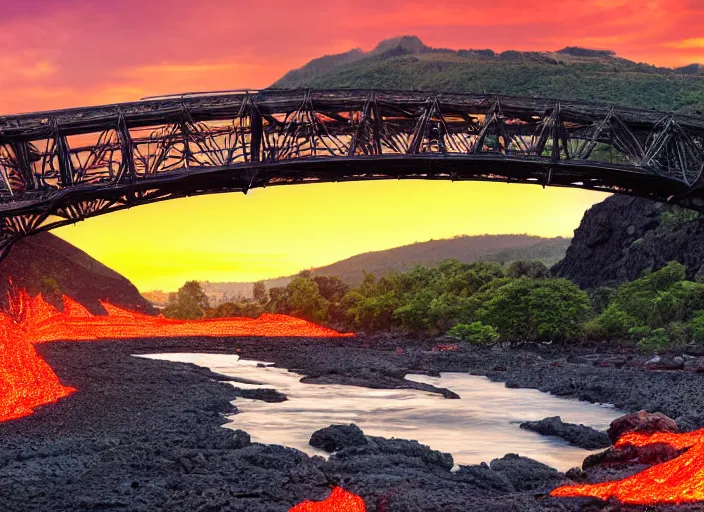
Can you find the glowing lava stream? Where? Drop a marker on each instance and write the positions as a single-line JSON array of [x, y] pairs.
[[680, 480], [338, 501], [26, 381]]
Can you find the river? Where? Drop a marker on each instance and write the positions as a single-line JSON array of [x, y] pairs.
[[481, 426]]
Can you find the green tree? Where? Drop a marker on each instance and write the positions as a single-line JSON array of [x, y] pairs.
[[303, 300], [612, 323], [414, 315], [370, 313], [532, 269], [259, 292], [537, 310], [660, 298], [331, 289], [190, 302]]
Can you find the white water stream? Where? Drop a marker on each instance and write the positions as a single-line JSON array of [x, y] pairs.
[[481, 426]]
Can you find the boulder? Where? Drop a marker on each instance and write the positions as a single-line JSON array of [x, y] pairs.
[[577, 435], [526, 474], [265, 395], [337, 437], [690, 422], [694, 364], [642, 422], [240, 439], [482, 476], [631, 455], [381, 452], [576, 474]]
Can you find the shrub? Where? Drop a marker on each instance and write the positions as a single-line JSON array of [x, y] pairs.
[[614, 323], [678, 333], [537, 309], [654, 341], [300, 298], [475, 333], [600, 298], [529, 268], [190, 302], [659, 298], [638, 333], [696, 326], [369, 313]]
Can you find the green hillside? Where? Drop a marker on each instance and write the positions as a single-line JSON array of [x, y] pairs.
[[467, 249], [571, 73]]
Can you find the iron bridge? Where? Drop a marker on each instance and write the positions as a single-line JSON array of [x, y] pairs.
[[63, 166]]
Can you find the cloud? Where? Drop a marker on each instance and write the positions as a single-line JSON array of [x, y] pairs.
[[696, 42], [61, 53]]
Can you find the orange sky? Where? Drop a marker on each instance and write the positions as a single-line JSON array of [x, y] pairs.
[[61, 53]]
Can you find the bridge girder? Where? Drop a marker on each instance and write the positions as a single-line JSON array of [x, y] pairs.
[[60, 167]]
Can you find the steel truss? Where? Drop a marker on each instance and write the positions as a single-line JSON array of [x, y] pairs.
[[60, 167]]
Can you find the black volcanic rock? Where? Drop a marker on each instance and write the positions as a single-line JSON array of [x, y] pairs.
[[265, 395], [577, 435], [621, 237], [46, 264], [337, 437], [526, 474]]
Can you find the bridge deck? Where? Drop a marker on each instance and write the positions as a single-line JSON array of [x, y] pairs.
[[61, 166]]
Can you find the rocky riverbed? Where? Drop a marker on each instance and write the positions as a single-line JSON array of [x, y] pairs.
[[146, 435]]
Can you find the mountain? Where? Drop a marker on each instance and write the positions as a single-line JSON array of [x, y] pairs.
[[622, 237], [498, 248], [468, 249], [617, 239], [47, 264], [570, 73]]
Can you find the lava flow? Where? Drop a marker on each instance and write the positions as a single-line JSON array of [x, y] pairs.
[[680, 480], [338, 501], [26, 381]]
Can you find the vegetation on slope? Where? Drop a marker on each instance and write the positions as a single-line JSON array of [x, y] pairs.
[[46, 264], [467, 249], [572, 73], [483, 302]]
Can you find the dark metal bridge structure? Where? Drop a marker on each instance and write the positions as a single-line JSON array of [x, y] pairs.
[[63, 166]]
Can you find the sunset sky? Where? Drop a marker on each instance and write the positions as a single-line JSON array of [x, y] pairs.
[[62, 53]]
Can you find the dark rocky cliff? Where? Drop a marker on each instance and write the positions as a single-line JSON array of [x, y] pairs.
[[622, 237], [46, 264]]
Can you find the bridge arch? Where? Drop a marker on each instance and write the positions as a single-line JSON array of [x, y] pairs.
[[63, 166]]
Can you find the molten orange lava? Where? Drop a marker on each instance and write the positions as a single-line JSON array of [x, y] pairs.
[[338, 501], [77, 324], [26, 381], [680, 480]]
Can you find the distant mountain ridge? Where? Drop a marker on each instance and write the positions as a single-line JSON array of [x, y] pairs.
[[468, 249], [570, 73]]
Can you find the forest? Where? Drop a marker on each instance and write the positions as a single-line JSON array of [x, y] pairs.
[[479, 303]]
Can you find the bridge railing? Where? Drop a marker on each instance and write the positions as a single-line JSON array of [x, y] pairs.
[[63, 166]]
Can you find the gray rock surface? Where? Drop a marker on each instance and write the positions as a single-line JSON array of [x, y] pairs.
[[622, 236], [337, 437], [146, 435], [577, 435]]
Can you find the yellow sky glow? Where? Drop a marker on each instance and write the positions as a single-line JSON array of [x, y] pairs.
[[278, 231]]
